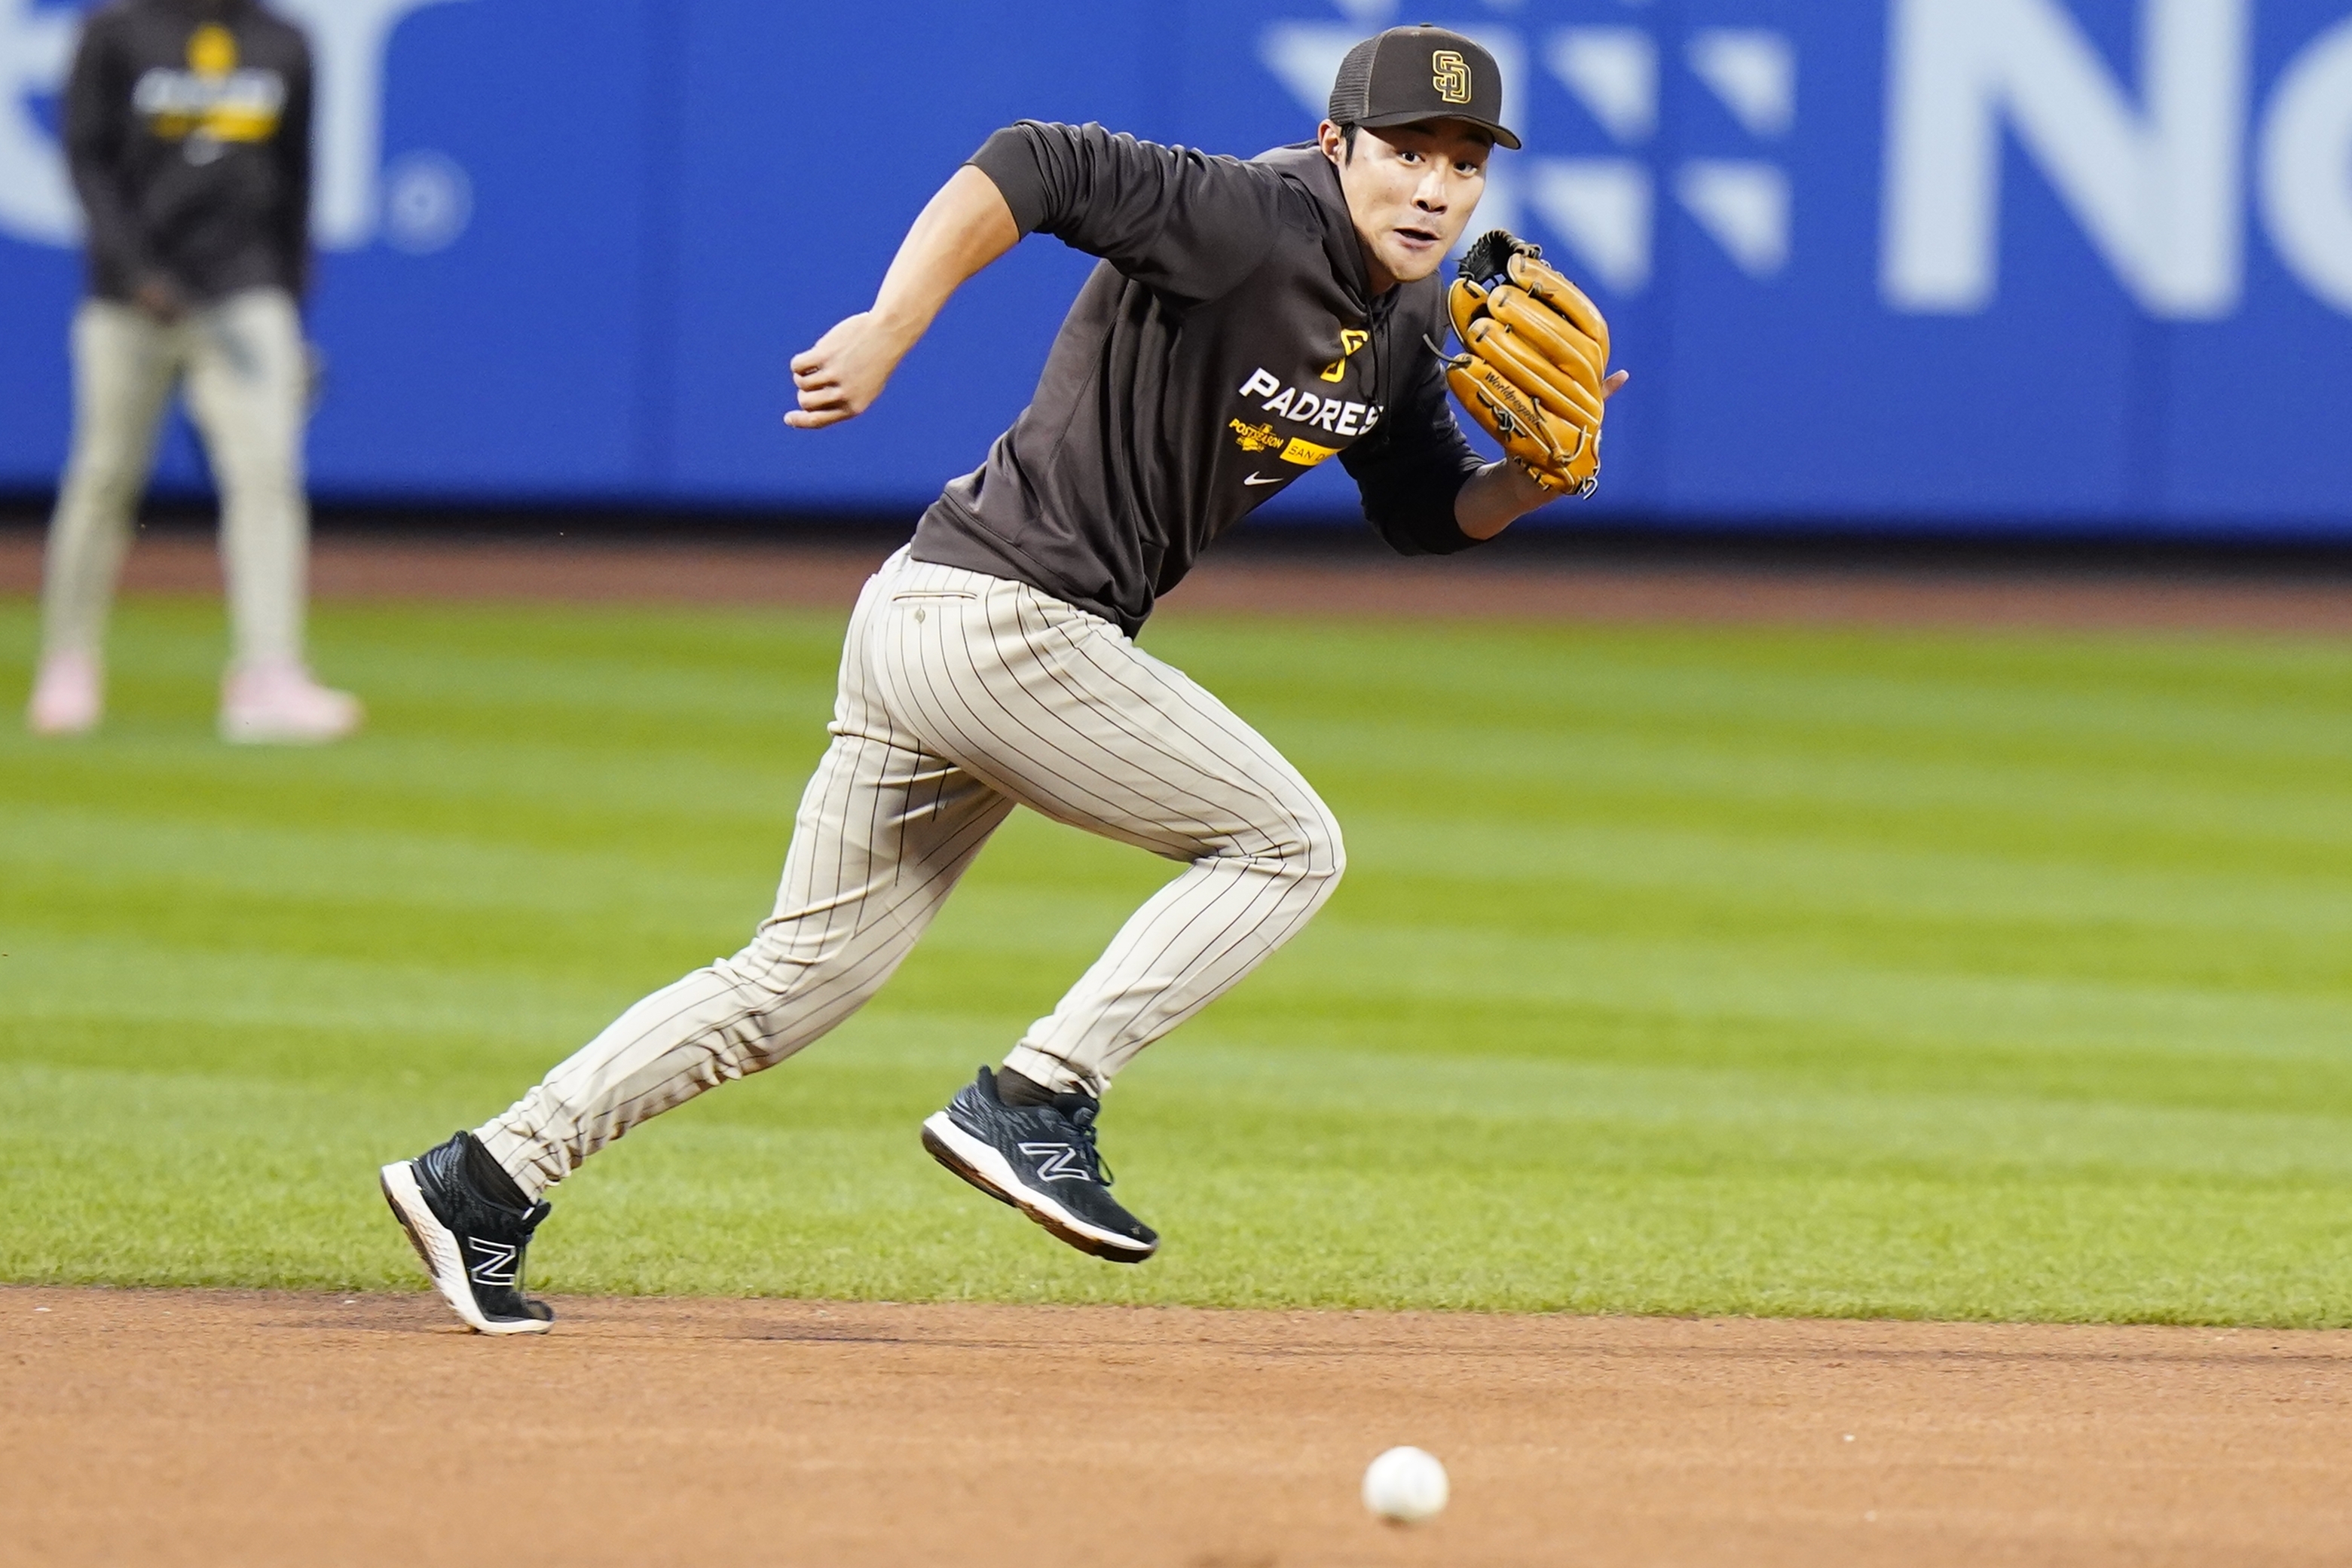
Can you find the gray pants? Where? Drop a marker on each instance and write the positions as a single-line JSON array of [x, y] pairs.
[[961, 696], [243, 364]]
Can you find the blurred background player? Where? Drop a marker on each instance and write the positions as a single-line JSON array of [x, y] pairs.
[[188, 125]]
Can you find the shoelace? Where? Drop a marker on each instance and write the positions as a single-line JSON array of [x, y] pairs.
[[1083, 1119]]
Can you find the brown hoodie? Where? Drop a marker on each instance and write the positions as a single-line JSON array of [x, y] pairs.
[[187, 126], [1228, 343]]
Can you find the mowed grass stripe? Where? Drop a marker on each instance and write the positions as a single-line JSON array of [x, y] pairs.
[[823, 1192], [1677, 970]]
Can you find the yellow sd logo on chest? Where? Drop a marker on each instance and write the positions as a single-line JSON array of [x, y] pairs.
[[215, 99], [1350, 339]]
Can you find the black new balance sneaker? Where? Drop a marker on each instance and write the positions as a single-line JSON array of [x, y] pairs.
[[471, 1225], [1041, 1159]]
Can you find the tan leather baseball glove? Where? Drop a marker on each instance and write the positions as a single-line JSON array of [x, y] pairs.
[[1535, 355]]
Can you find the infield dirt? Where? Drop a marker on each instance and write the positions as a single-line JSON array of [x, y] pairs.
[[199, 1426], [1345, 577]]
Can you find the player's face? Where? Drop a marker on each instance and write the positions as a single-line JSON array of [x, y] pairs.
[[1410, 189]]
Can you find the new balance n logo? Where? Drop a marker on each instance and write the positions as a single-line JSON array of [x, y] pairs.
[[494, 1262], [1055, 1161]]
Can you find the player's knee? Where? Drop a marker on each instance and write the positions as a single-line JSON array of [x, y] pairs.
[[1335, 850], [1317, 853], [101, 484], [264, 488]]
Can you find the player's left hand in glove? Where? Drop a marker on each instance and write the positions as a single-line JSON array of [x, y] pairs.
[[1534, 369]]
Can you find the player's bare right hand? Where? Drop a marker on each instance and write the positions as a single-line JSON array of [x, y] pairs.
[[841, 375]]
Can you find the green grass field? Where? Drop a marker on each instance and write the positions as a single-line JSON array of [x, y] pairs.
[[1726, 971]]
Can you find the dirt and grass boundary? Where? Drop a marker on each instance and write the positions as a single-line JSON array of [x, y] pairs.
[[1299, 572]]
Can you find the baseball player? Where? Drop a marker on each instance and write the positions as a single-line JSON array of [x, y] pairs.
[[1248, 321], [187, 126]]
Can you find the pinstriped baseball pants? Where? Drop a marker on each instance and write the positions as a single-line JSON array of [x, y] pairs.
[[963, 695]]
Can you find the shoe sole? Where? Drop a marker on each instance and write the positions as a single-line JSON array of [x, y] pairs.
[[50, 727], [989, 1171], [436, 1249]]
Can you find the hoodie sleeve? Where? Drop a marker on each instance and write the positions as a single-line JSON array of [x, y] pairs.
[[291, 226], [1411, 469], [1177, 220], [96, 123]]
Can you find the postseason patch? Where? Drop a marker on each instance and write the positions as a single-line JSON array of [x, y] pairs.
[[1260, 438]]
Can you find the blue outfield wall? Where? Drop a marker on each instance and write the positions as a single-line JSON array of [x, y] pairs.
[[2024, 264]]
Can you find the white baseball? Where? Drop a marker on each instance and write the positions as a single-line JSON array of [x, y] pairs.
[[1406, 1485]]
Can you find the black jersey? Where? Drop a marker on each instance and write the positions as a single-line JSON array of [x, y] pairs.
[[187, 126], [1229, 342]]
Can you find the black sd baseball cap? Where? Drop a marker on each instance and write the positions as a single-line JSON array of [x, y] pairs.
[[1408, 73]]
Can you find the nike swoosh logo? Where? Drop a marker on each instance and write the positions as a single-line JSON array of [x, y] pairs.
[[1262, 479]]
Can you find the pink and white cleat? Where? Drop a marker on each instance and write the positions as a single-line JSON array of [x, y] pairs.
[[69, 696], [278, 703]]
